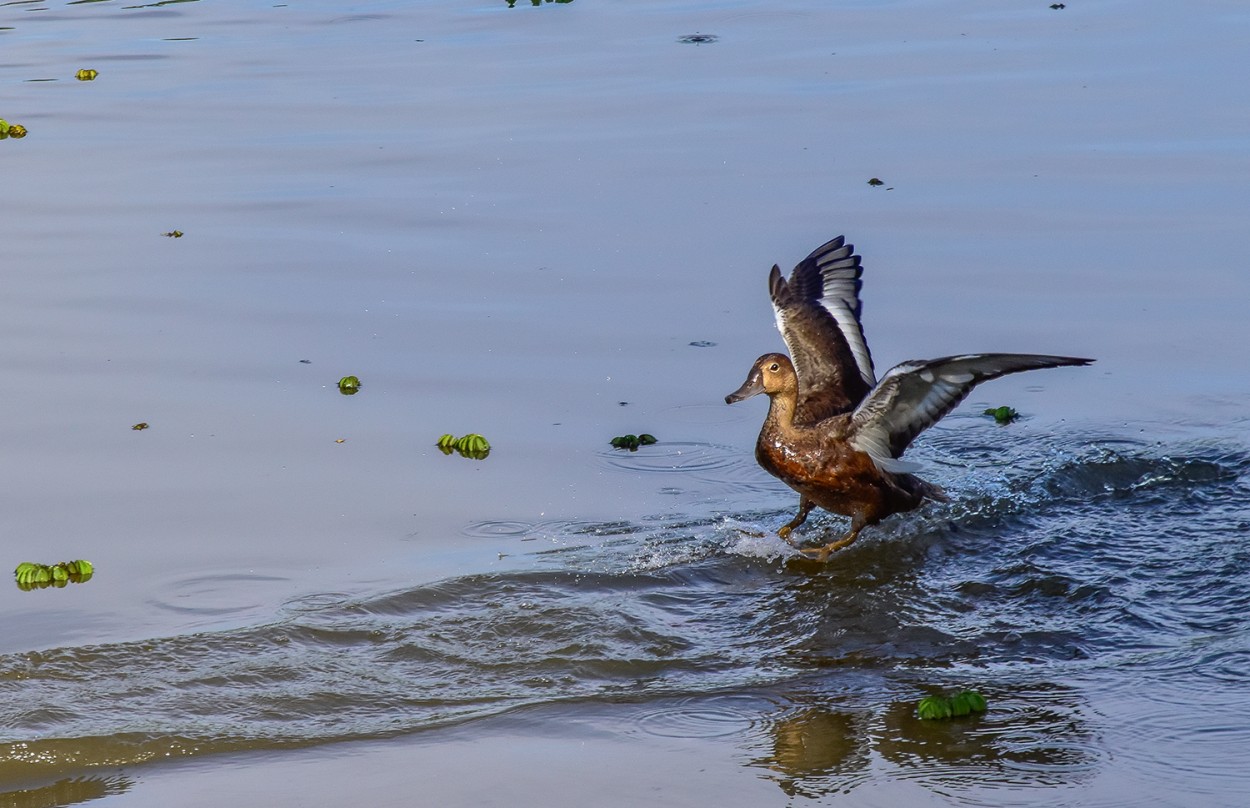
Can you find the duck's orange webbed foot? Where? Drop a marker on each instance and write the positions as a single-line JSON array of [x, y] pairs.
[[823, 553], [805, 507]]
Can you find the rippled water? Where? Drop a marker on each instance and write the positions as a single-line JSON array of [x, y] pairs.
[[1091, 591], [552, 224]]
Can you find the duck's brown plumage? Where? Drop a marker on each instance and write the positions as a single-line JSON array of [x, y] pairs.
[[831, 434]]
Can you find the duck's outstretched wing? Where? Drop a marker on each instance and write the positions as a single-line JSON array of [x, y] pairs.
[[914, 396], [817, 313]]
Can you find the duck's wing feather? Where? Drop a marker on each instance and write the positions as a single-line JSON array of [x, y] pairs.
[[818, 313], [914, 396]]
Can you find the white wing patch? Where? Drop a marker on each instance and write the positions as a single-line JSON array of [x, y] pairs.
[[893, 407], [895, 466], [780, 318], [840, 275], [843, 312], [876, 444]]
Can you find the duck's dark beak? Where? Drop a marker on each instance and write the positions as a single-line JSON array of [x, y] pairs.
[[753, 386]]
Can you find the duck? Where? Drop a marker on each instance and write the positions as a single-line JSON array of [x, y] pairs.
[[835, 433]]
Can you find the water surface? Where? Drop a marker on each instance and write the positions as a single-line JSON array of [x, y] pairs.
[[552, 225]]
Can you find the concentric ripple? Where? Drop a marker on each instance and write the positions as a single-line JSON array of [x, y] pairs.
[[496, 528], [702, 717], [725, 468], [674, 457], [211, 597]]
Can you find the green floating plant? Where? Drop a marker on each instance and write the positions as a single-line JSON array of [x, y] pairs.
[[1003, 415], [875, 181], [472, 446], [935, 708], [86, 74], [13, 130], [349, 385], [173, 234], [632, 442], [40, 576]]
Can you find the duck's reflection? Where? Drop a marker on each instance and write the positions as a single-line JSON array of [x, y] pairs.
[[816, 750], [1035, 735]]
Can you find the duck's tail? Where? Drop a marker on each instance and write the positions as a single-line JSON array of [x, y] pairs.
[[934, 492], [922, 489]]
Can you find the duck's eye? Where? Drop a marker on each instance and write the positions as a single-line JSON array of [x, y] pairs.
[[774, 367]]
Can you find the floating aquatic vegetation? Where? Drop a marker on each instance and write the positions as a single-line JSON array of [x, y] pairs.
[[173, 234], [934, 708], [139, 426], [1003, 415], [875, 181], [86, 74], [349, 385], [13, 130], [40, 576], [632, 442], [1057, 6], [698, 39], [472, 445]]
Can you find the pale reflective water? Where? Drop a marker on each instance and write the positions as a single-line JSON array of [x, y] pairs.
[[552, 225]]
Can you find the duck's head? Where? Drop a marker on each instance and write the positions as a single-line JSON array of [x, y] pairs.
[[772, 373]]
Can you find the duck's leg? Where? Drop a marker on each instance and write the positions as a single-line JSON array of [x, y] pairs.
[[823, 553], [805, 507]]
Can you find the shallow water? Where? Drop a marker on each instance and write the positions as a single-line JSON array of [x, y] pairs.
[[552, 225]]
